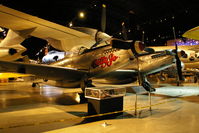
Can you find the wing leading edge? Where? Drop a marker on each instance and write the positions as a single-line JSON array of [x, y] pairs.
[[60, 37], [43, 71]]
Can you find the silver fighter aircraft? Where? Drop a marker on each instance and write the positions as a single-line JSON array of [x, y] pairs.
[[142, 65], [85, 63]]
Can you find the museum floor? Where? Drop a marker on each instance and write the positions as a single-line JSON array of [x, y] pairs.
[[55, 110]]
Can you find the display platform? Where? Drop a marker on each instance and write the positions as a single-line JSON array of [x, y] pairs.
[[106, 99], [105, 92]]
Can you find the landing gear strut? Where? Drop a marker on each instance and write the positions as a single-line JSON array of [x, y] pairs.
[[83, 84], [35, 84], [147, 86]]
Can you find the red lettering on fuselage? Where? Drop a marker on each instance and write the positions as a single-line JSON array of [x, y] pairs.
[[105, 61]]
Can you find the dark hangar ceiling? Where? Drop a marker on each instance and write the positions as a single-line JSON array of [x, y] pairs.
[[155, 17]]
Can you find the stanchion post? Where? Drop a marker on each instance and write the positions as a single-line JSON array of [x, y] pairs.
[[150, 101], [135, 104]]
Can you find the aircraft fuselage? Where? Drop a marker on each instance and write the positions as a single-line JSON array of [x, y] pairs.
[[98, 61], [152, 63]]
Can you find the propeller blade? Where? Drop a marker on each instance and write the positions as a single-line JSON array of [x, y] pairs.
[[103, 19], [178, 62]]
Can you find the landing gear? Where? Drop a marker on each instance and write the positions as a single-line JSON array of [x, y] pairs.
[[195, 79], [83, 84], [35, 84], [161, 77], [45, 80], [178, 83], [147, 86], [89, 83]]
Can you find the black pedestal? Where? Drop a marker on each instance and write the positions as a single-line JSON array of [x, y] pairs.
[[105, 106]]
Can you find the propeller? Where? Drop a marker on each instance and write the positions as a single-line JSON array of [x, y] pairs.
[[138, 49], [178, 62]]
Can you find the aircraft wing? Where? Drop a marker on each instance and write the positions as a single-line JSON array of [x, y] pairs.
[[60, 37], [43, 71], [13, 75], [121, 76], [192, 33], [185, 48], [196, 49]]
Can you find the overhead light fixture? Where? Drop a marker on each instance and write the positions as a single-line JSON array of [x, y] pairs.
[[103, 5], [81, 14]]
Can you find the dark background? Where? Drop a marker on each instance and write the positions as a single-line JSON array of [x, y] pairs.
[[155, 17]]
